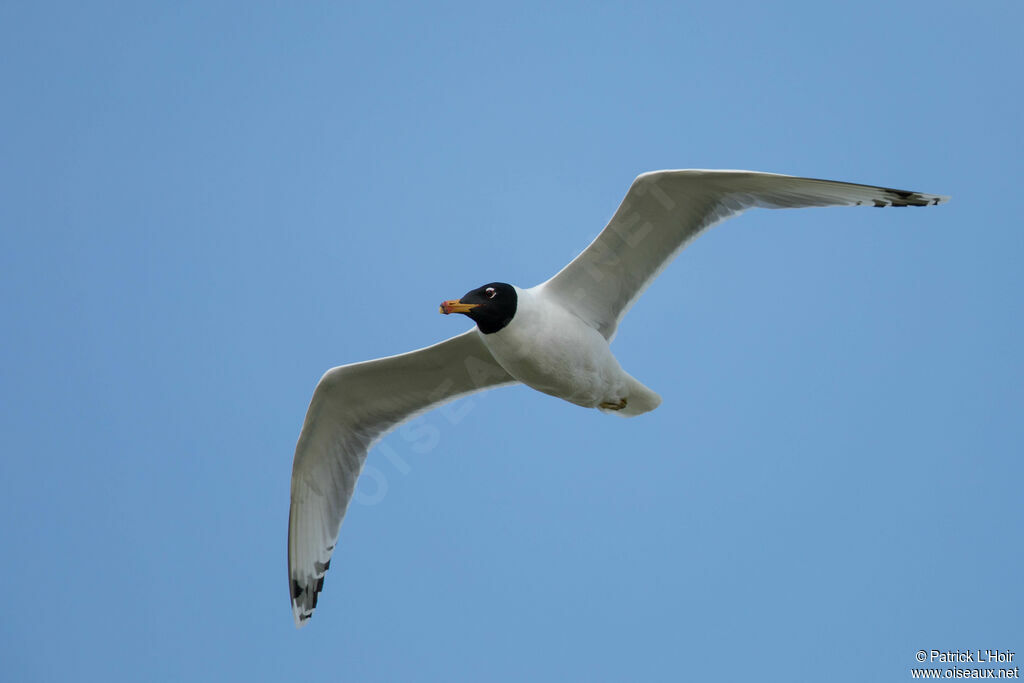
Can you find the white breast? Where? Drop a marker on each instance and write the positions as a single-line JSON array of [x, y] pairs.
[[550, 349]]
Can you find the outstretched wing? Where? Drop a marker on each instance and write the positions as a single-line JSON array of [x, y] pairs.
[[352, 407], [664, 210]]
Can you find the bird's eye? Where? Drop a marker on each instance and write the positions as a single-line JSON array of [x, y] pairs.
[[491, 292]]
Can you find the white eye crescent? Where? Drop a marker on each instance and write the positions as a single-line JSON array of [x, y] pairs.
[[490, 292]]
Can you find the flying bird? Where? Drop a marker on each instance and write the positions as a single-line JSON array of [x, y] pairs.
[[553, 337]]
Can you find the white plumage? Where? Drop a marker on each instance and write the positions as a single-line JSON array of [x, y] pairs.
[[553, 337]]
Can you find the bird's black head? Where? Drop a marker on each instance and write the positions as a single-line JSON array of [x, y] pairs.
[[491, 307]]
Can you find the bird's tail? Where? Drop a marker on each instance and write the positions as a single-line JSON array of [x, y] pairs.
[[640, 400]]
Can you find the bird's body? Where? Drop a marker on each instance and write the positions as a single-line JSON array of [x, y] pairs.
[[553, 337], [550, 349]]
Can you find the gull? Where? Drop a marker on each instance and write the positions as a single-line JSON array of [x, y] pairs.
[[553, 337]]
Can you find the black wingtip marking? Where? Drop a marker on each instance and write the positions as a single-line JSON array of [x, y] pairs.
[[907, 198], [306, 597]]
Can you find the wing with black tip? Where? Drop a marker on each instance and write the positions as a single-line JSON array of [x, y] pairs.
[[664, 210], [352, 407]]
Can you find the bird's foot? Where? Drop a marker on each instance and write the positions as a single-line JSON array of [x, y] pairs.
[[608, 405]]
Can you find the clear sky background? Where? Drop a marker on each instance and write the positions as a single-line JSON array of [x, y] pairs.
[[206, 205]]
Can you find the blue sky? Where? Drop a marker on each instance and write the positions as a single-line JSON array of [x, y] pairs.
[[206, 205]]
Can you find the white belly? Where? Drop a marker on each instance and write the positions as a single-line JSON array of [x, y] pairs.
[[553, 351]]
